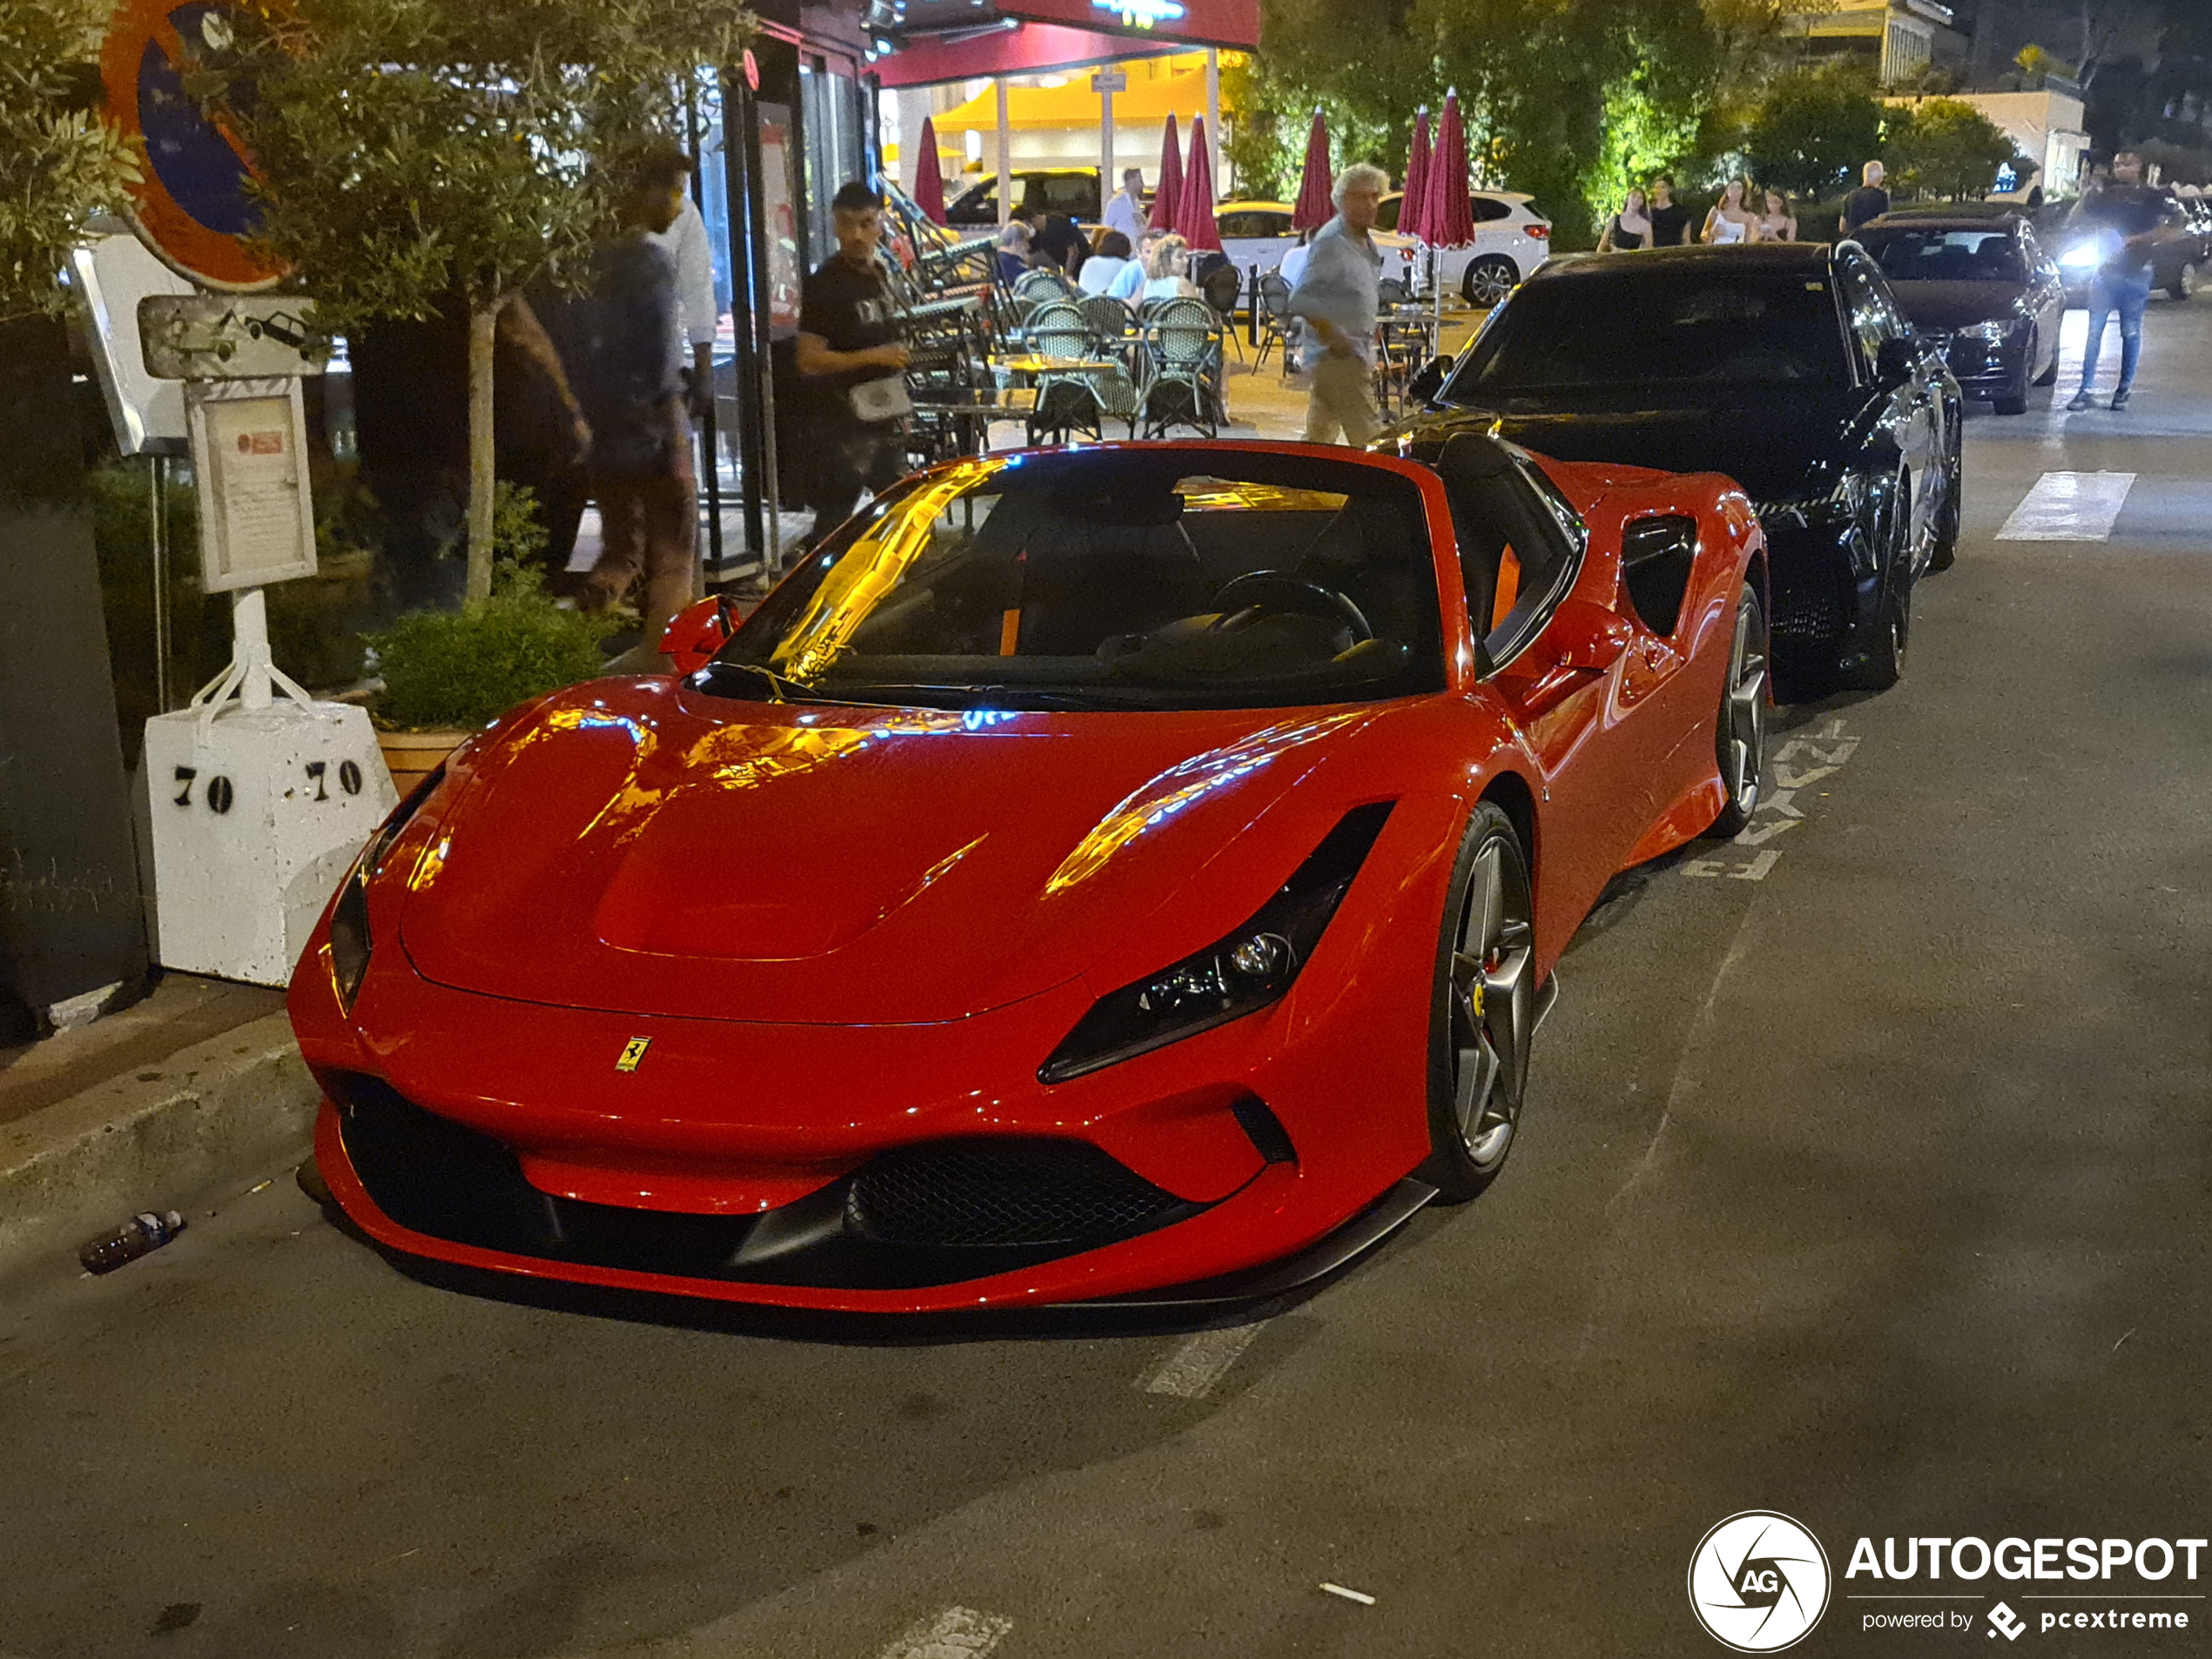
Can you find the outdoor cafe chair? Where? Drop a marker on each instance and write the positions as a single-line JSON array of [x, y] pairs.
[[1276, 327], [1223, 287], [1182, 344]]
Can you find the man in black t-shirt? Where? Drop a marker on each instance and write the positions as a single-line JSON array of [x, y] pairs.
[[1669, 219], [850, 353], [1868, 201], [2129, 219]]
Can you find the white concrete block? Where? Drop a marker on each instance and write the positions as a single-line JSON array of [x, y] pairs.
[[255, 819]]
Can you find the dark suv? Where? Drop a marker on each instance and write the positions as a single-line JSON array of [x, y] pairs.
[[1788, 367], [1072, 191]]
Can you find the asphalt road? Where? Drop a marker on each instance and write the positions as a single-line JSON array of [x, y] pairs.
[[1867, 1181]]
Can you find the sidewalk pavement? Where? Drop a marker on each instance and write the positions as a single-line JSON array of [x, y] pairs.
[[154, 1108]]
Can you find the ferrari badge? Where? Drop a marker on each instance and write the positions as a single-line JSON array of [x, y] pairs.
[[633, 1053]]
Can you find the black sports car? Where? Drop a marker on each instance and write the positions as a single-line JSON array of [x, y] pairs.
[[1983, 289], [1788, 367]]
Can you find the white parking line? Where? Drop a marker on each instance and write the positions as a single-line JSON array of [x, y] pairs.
[[956, 1633], [1200, 1361], [2069, 507], [1799, 764]]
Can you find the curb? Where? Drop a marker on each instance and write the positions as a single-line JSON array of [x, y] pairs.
[[154, 1140]]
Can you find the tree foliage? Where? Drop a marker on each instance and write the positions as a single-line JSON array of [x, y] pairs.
[[1813, 131], [1945, 146], [417, 156], [59, 162]]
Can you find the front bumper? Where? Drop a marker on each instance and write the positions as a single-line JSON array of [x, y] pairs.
[[1985, 368], [1827, 596]]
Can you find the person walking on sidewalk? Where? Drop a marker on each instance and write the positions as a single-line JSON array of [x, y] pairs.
[[850, 351], [2130, 219], [1669, 219], [1338, 295], [632, 393], [1870, 200]]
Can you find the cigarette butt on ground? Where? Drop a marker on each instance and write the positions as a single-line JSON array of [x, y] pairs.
[[1360, 1597]]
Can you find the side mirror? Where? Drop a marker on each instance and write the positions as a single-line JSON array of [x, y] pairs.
[[1895, 360], [1583, 634], [698, 630], [1429, 381]]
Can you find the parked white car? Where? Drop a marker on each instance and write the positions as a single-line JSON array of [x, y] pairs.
[[1510, 240]]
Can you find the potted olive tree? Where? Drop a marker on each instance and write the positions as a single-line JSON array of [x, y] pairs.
[[414, 154], [449, 673]]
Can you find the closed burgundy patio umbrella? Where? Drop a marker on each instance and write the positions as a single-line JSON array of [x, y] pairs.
[[1313, 208], [1196, 221], [1447, 218], [1167, 199], [1417, 164], [929, 175]]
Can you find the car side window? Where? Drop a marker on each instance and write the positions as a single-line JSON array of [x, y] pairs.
[[1489, 207], [1078, 197], [1519, 549], [1865, 312]]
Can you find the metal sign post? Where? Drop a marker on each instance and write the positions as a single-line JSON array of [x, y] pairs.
[[258, 801]]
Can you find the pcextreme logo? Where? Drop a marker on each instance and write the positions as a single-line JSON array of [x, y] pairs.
[[1758, 1581]]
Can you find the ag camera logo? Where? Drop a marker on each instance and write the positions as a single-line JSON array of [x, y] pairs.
[[1758, 1581]]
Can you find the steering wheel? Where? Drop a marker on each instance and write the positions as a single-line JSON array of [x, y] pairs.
[[1257, 591]]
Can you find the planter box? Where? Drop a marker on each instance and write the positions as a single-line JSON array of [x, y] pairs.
[[412, 756]]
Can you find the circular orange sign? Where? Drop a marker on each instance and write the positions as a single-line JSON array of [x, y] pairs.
[[191, 204]]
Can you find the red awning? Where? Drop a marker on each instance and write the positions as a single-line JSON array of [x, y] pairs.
[[1041, 37]]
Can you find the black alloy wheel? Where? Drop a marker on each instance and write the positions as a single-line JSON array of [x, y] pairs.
[[1943, 551], [2049, 376], [1483, 1011], [1739, 738], [2013, 399], [1488, 280], [1884, 663]]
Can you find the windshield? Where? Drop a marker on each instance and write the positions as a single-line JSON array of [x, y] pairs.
[[1657, 327], [1936, 254], [1103, 579]]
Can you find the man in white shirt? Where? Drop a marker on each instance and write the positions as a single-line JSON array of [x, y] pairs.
[[1293, 265], [1125, 213], [685, 242], [1337, 294]]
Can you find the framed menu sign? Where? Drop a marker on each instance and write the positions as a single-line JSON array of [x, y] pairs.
[[249, 447]]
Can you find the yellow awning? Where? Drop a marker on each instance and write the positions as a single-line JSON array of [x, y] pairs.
[[1149, 98]]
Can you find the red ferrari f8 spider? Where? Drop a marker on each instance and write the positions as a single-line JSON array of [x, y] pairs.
[[1129, 873]]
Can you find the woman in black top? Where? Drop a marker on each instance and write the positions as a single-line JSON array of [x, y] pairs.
[[1670, 223], [1629, 228]]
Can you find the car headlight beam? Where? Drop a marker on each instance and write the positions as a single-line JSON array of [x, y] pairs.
[[1240, 974]]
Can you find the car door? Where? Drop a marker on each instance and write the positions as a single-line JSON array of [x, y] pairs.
[[1255, 236], [1912, 416], [2047, 298], [1558, 657]]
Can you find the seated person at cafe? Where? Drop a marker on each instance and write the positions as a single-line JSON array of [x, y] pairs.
[[1102, 269]]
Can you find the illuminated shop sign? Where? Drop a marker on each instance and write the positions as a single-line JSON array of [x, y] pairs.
[[1142, 14]]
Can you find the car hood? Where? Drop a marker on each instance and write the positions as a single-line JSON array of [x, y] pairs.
[[645, 846], [1767, 444], [1948, 305]]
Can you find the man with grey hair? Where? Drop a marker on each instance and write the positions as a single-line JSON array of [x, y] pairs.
[[1868, 201], [1338, 295]]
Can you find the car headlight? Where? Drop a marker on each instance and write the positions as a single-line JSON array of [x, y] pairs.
[[1240, 974], [1839, 504], [2081, 256], [350, 940]]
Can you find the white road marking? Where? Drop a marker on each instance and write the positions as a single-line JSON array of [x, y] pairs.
[[1200, 1361], [956, 1633], [1797, 764], [2069, 507], [1360, 1597]]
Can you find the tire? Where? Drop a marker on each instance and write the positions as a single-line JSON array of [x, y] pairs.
[[2013, 399], [1945, 552], [1488, 281], [2049, 376], [2184, 282], [1482, 1009], [1885, 663], [1739, 737]]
